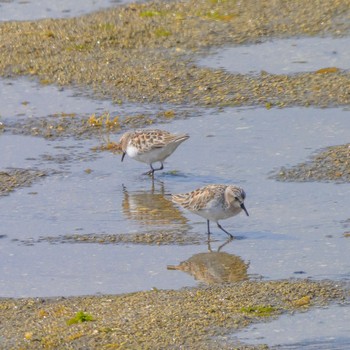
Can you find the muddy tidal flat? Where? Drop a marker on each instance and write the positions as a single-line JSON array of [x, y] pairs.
[[196, 318], [331, 164], [144, 52], [14, 178]]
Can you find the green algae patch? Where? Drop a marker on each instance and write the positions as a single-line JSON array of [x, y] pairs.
[[80, 317], [193, 318], [146, 52], [259, 310]]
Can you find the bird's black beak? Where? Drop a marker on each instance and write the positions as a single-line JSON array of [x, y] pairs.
[[244, 208], [124, 153]]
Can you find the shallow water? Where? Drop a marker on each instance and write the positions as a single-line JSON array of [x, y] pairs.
[[294, 229], [17, 10], [319, 334], [26, 98], [282, 56]]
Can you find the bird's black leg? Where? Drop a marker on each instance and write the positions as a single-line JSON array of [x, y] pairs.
[[151, 172], [161, 167], [208, 227], [221, 228], [208, 230], [124, 153]]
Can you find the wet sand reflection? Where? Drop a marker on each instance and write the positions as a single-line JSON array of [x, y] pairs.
[[152, 208], [160, 220]]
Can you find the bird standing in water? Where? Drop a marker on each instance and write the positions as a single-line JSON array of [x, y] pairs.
[[214, 203], [150, 146]]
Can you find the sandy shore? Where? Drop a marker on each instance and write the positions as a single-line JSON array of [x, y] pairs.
[[195, 318]]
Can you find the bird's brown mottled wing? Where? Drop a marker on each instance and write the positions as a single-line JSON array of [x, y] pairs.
[[150, 139], [198, 199], [146, 140]]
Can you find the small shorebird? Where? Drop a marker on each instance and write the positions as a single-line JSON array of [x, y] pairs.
[[150, 146], [214, 202]]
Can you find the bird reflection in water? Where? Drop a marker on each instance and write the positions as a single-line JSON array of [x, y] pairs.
[[214, 266], [152, 208]]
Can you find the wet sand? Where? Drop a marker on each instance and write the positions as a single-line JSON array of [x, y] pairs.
[[194, 318], [145, 52]]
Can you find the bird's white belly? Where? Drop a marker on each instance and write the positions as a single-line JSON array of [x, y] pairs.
[[217, 213], [155, 155]]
